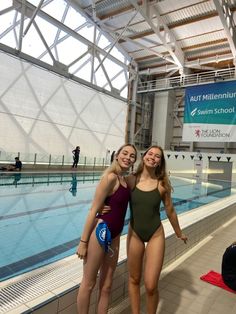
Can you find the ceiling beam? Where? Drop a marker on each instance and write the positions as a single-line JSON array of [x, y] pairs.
[[33, 17], [9, 9], [166, 36], [116, 40], [196, 63], [226, 18]]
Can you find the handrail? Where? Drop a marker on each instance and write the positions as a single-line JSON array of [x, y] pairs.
[[186, 80], [34, 159]]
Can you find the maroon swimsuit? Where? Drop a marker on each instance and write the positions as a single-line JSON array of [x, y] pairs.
[[118, 202]]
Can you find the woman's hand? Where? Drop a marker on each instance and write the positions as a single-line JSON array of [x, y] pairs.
[[183, 237], [82, 250], [104, 210]]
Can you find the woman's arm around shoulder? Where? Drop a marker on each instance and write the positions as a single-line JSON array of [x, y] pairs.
[[130, 180], [171, 213]]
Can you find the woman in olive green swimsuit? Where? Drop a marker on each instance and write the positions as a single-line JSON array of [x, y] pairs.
[[150, 185]]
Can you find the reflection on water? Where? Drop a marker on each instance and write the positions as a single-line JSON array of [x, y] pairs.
[[73, 188], [17, 177], [220, 189], [48, 178]]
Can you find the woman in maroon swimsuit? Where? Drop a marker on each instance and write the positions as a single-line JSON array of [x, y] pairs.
[[100, 240]]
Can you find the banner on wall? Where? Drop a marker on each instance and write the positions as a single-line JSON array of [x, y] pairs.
[[210, 113]]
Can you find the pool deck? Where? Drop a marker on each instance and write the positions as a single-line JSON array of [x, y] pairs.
[[182, 291]]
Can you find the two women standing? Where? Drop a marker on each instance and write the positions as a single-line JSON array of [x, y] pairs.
[[147, 187]]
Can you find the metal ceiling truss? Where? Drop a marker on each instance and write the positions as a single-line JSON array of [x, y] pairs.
[[97, 22], [33, 16], [114, 37], [151, 15], [117, 39], [188, 64], [164, 34], [226, 18], [27, 10], [66, 29]]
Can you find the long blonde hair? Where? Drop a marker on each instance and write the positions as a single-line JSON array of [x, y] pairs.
[[160, 171], [115, 167]]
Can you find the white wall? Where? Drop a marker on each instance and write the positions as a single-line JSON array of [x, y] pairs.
[[41, 112]]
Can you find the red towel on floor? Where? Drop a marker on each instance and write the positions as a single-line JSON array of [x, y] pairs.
[[216, 280]]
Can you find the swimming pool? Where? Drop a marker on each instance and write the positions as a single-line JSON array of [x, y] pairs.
[[42, 215]]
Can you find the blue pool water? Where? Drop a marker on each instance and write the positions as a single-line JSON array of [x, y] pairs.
[[42, 215]]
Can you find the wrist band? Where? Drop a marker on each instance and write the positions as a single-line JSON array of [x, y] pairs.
[[83, 241]]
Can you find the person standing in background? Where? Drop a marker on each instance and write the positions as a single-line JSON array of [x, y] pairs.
[[112, 156], [76, 153]]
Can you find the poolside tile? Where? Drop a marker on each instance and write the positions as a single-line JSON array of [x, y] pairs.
[[20, 309]]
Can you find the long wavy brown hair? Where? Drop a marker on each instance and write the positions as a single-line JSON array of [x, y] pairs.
[[160, 170]]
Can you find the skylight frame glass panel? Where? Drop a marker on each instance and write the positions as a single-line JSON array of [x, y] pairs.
[[47, 59], [7, 22], [117, 54], [74, 19], [48, 30], [82, 68], [5, 4], [112, 68], [87, 32], [102, 41], [77, 49], [119, 81], [32, 43], [55, 9], [62, 35], [124, 92], [34, 2], [100, 77], [9, 40]]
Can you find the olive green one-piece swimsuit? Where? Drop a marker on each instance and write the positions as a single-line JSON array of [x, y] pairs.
[[145, 212]]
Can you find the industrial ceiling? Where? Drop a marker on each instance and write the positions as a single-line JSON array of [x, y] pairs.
[[169, 36], [159, 39]]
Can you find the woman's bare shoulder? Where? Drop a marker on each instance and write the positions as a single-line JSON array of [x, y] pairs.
[[109, 178], [161, 188]]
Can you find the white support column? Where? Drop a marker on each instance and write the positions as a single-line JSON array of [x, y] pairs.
[[162, 129], [133, 109]]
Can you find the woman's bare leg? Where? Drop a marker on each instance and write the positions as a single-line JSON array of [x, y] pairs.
[[92, 264], [135, 253], [154, 255], [106, 276]]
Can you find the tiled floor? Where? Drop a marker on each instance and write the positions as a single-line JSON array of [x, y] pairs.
[[181, 290]]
